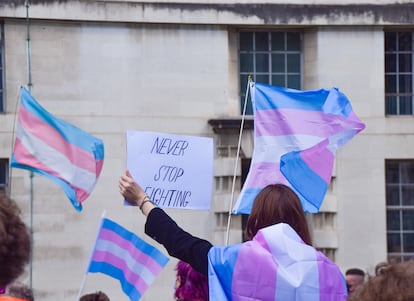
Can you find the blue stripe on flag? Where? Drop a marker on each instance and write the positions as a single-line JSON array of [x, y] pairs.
[[221, 262], [309, 186], [110, 270], [328, 101]]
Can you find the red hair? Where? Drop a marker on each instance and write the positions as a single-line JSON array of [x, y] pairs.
[[278, 203]]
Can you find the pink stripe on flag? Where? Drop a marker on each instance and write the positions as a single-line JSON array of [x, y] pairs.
[[27, 158], [254, 261], [135, 253], [332, 285], [49, 135], [113, 259], [264, 174], [314, 123], [320, 160]]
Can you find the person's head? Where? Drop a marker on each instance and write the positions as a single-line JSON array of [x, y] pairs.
[[354, 278], [278, 203], [21, 291], [98, 296], [190, 285], [394, 282], [14, 241]]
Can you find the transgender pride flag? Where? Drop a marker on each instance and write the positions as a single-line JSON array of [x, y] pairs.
[[56, 149], [275, 265], [122, 255], [296, 137]]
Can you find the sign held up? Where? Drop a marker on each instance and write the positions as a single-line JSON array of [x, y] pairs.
[[175, 171]]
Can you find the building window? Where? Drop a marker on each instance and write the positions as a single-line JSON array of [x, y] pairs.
[[273, 58], [399, 73], [400, 209], [4, 174], [2, 77]]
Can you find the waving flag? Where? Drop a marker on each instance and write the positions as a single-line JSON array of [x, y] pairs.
[[296, 137], [56, 149], [275, 265], [122, 255]]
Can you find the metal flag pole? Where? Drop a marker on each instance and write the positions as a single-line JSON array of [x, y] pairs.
[[29, 85], [237, 159]]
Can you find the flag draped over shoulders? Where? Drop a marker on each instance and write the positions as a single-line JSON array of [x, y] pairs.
[[124, 256], [52, 147], [275, 265], [296, 135]]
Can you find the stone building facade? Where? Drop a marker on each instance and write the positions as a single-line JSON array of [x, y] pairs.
[[181, 67]]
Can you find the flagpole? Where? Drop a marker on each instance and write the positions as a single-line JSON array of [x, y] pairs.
[[90, 258], [29, 85], [237, 159]]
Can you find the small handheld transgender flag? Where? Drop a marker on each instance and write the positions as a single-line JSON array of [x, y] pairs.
[[124, 256], [296, 135]]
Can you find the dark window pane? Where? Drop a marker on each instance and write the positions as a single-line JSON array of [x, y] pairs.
[[405, 63], [405, 83], [392, 172], [262, 78], [393, 220], [262, 62], [3, 171], [390, 41], [404, 41], [407, 172], [393, 196], [390, 84], [278, 63], [390, 63], [249, 109], [246, 41], [293, 82], [408, 220], [246, 62], [293, 41], [406, 105], [278, 41], [391, 105], [293, 63], [278, 80], [243, 83], [408, 195], [408, 240], [394, 242], [262, 41]]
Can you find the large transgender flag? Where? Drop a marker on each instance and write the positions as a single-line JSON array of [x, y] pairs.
[[275, 265], [296, 137], [122, 255], [56, 149]]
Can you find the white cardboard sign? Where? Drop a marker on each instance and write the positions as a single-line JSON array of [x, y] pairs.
[[175, 171]]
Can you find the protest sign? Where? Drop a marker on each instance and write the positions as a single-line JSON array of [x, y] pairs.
[[175, 171]]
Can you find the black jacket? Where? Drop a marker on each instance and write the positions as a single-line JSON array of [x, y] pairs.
[[179, 243]]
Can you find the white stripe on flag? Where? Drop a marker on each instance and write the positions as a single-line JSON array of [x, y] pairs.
[[56, 161]]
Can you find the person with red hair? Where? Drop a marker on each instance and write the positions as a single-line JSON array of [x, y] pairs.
[[190, 285]]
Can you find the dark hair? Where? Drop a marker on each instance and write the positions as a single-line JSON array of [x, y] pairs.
[[193, 285], [278, 203], [355, 271], [14, 241], [20, 290], [395, 282], [98, 296]]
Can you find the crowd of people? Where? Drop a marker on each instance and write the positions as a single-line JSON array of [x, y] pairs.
[[275, 204]]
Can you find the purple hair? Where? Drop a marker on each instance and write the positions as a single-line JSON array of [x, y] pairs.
[[193, 285]]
